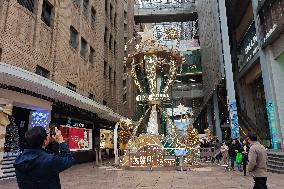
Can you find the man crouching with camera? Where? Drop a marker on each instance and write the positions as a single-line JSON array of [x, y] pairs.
[[37, 168]]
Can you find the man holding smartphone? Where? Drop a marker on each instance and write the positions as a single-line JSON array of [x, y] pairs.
[[37, 168]]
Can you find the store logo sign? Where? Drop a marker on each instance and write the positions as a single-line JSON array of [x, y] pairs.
[[248, 46]]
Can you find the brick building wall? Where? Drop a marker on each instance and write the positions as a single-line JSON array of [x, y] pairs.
[[27, 41]]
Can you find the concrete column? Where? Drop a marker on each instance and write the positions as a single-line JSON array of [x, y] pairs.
[[209, 119], [217, 118], [231, 99], [115, 137], [267, 63]]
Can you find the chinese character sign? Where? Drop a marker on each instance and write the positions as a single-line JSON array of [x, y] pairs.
[[272, 124], [234, 120]]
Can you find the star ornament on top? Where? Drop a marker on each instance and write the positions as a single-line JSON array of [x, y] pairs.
[[181, 108], [128, 122]]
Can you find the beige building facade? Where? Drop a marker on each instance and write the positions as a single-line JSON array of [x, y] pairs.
[[78, 44]]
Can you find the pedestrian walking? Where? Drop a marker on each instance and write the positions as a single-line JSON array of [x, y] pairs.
[[239, 157], [224, 150], [233, 153], [37, 168], [245, 151], [257, 162], [218, 154]]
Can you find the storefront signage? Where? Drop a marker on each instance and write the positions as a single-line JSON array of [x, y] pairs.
[[271, 19], [272, 124], [140, 98], [148, 157], [73, 123], [248, 46]]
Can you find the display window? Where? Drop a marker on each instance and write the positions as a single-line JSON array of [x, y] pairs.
[[77, 138], [106, 139]]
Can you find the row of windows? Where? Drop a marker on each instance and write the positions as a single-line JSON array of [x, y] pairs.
[[109, 72], [74, 43], [85, 10], [45, 73], [48, 13], [111, 44], [113, 20], [47, 9]]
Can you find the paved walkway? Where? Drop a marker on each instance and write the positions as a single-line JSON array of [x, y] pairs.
[[84, 176]]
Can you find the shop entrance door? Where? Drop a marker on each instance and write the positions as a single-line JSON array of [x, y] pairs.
[[21, 116], [260, 110]]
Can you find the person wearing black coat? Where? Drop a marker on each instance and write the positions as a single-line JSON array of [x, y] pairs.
[[37, 168], [233, 149]]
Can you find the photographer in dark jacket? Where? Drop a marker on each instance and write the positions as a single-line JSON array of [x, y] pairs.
[[37, 168]]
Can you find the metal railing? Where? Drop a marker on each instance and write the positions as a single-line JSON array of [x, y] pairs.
[[156, 6], [154, 156], [188, 87]]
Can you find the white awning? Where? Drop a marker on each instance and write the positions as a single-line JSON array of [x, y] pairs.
[[17, 77]]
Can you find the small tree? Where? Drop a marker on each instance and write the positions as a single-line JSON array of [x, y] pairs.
[[12, 143], [193, 145]]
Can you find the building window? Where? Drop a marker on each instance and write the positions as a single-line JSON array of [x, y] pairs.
[[109, 73], [42, 71], [47, 9], [104, 103], [110, 13], [73, 37], [105, 36], [114, 47], [125, 27], [124, 69], [1, 51], [77, 2], [71, 86], [105, 69], [85, 7], [106, 3], [91, 55], [124, 98], [110, 42], [93, 17], [115, 19], [91, 96], [28, 4], [114, 77], [83, 47], [125, 15], [124, 83]]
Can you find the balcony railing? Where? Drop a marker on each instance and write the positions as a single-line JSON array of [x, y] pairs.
[[143, 7], [190, 69], [198, 86], [167, 4]]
